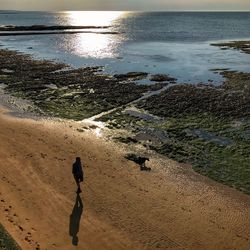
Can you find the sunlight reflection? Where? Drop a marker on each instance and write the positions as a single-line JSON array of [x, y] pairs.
[[93, 18], [94, 45], [98, 132], [98, 126]]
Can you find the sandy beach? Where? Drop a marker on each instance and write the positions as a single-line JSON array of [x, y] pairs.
[[172, 207]]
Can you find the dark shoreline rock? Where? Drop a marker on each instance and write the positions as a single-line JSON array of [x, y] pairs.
[[45, 27], [76, 93], [189, 99], [57, 32], [243, 46], [132, 76], [221, 114], [206, 126], [162, 78], [10, 30]]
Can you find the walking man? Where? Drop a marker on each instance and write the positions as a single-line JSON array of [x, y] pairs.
[[78, 173]]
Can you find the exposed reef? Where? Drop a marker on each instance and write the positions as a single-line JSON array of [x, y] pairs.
[[162, 78], [132, 76], [204, 125], [243, 46], [58, 90], [57, 32], [207, 127], [187, 99], [45, 27], [10, 30]]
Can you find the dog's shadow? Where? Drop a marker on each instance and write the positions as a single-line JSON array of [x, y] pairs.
[[75, 219]]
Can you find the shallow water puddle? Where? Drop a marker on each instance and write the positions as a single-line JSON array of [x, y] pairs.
[[207, 136]]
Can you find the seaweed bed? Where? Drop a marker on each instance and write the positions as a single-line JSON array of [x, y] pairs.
[[204, 125], [6, 241], [243, 46], [60, 91]]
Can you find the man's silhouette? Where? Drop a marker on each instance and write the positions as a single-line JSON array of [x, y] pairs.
[[78, 173]]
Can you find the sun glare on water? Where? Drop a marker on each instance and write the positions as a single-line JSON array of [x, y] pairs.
[[93, 44], [93, 18]]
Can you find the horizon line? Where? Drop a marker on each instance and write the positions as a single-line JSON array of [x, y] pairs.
[[129, 10]]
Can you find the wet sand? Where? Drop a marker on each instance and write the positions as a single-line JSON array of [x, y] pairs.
[[172, 207]]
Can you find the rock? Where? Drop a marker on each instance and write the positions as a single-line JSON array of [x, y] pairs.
[[133, 75], [51, 86], [91, 91], [46, 28], [161, 78], [126, 140], [7, 71], [243, 46], [72, 94]]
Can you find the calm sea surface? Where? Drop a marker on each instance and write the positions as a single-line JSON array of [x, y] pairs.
[[175, 43]]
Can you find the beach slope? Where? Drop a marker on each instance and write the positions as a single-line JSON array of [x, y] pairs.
[[172, 207]]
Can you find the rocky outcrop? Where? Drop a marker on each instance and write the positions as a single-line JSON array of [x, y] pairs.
[[65, 92], [162, 78], [132, 76]]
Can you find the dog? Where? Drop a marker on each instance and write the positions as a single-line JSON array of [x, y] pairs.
[[141, 161]]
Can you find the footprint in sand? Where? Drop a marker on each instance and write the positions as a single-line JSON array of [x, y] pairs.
[[43, 155], [27, 239]]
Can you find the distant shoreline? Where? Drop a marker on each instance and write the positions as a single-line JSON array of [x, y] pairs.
[[57, 32], [135, 11], [46, 27]]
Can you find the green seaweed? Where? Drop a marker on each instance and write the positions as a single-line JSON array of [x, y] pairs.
[[72, 93], [6, 241]]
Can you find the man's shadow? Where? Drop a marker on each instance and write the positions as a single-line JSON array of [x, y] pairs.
[[75, 218]]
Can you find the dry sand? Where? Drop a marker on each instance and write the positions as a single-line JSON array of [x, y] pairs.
[[169, 208]]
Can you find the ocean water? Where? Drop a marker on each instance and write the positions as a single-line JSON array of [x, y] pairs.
[[175, 43]]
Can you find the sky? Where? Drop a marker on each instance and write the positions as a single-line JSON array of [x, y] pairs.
[[143, 5]]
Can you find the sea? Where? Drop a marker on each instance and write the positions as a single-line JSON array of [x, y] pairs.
[[174, 43]]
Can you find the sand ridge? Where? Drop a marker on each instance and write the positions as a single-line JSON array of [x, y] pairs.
[[122, 208]]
